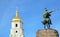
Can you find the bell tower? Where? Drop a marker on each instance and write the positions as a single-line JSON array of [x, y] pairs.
[[16, 27]]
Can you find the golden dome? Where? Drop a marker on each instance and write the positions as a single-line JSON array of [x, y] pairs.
[[16, 19]]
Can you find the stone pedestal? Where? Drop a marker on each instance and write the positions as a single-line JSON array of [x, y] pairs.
[[47, 33]]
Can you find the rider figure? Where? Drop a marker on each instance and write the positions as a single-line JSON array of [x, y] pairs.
[[47, 20]]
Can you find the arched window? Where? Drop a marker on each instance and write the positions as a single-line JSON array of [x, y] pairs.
[[16, 25]]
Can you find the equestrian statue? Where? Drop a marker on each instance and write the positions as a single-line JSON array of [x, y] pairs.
[[46, 18]]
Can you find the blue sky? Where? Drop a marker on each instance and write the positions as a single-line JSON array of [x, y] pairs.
[[30, 11]]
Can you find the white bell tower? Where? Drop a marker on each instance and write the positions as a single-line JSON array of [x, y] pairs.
[[16, 28]]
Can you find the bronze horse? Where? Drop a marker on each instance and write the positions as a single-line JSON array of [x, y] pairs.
[[47, 21]]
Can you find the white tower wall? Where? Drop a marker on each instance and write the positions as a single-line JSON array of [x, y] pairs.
[[16, 31]]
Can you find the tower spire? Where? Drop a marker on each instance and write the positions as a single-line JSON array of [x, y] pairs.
[[16, 19], [16, 12]]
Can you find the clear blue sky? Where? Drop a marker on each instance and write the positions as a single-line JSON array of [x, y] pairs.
[[31, 13]]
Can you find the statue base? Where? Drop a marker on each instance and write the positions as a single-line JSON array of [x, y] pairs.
[[47, 33]]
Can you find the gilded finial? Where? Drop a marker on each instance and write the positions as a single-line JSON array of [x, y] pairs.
[[16, 12], [16, 19]]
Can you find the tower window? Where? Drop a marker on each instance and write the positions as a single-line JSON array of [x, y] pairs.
[[16, 25], [16, 31]]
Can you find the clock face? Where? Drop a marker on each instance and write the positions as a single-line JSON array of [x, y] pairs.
[[16, 25]]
